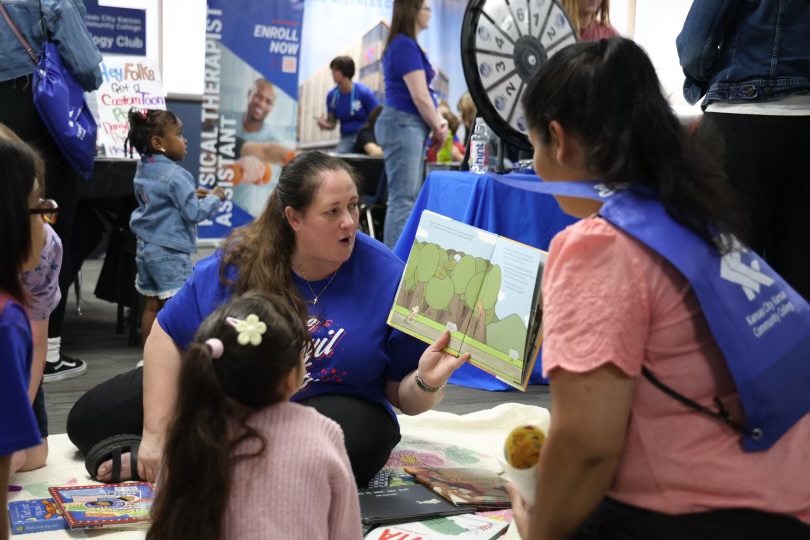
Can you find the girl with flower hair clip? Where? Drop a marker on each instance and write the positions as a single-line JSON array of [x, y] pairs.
[[244, 364], [170, 205]]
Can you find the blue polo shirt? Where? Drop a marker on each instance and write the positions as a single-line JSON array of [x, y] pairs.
[[351, 108], [354, 351], [402, 56]]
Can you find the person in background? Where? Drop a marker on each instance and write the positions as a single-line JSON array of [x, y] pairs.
[[467, 110], [282, 470], [365, 142], [349, 103], [623, 459], [458, 149], [750, 62], [304, 247], [64, 22], [409, 114], [22, 236], [169, 208], [591, 18], [42, 285]]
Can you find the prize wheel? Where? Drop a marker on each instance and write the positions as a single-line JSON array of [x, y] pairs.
[[503, 44]]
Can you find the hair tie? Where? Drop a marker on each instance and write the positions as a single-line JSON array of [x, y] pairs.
[[216, 347], [250, 330]]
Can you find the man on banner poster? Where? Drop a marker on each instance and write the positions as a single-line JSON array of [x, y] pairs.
[[250, 107]]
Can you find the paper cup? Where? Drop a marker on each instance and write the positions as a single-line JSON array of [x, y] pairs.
[[525, 480]]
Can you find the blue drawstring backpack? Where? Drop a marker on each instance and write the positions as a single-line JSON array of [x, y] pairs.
[[59, 99]]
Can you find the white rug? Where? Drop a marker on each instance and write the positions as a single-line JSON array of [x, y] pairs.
[[430, 439]]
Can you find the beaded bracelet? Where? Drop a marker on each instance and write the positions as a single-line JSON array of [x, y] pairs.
[[424, 386]]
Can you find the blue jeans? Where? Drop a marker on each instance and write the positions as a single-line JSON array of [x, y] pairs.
[[402, 137], [346, 144], [162, 271]]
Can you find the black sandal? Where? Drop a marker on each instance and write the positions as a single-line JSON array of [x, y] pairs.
[[112, 448]]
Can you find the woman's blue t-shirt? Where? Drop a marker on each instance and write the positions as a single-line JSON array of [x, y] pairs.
[[351, 108], [402, 56], [18, 427], [354, 351]]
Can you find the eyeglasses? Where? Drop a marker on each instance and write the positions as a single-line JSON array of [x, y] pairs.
[[47, 209]]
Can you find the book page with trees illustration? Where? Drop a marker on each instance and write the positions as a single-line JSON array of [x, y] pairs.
[[482, 287]]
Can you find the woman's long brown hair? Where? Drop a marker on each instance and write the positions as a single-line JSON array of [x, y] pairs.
[[403, 20], [261, 251], [216, 396]]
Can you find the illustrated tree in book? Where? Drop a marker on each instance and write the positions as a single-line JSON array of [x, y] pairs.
[[457, 290]]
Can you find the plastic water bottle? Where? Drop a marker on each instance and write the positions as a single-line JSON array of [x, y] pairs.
[[479, 154]]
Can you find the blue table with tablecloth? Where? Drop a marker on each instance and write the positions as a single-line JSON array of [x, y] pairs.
[[483, 200]]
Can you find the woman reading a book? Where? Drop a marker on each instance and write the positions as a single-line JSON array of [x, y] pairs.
[[244, 364], [305, 248], [624, 458]]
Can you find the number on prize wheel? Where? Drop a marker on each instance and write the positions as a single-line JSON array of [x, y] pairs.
[[503, 44]]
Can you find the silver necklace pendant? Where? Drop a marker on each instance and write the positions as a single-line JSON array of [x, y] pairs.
[[315, 301]]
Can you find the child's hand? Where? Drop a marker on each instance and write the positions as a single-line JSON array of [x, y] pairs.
[[219, 192]]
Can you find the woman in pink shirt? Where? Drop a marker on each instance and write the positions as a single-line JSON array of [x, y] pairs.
[[591, 18], [622, 458], [242, 462]]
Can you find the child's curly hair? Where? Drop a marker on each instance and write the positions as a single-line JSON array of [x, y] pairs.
[[143, 125]]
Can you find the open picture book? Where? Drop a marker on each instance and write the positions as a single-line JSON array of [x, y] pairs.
[[482, 287]]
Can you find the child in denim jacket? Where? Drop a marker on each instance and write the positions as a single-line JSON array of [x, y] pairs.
[[169, 208]]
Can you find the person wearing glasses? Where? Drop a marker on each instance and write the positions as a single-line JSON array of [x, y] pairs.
[[349, 102], [22, 235], [409, 114], [42, 285]]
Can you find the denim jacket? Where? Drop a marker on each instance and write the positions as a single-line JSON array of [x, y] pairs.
[[64, 20], [168, 207], [743, 51]]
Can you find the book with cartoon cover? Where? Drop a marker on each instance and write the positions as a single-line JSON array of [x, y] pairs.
[[35, 515], [483, 287], [463, 527], [124, 505], [482, 488]]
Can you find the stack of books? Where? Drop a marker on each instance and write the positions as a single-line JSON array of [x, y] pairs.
[[110, 506], [440, 505]]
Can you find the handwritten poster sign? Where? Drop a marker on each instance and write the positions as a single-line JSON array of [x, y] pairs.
[[128, 82]]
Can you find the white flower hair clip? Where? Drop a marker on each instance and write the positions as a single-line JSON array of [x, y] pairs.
[[250, 330]]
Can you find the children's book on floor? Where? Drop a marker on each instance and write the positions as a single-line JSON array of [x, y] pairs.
[[482, 287], [113, 506], [462, 527], [402, 504], [477, 487], [35, 515]]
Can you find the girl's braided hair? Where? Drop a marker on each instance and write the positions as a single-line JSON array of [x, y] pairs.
[[143, 125]]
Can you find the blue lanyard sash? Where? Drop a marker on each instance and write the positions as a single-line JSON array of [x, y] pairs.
[[336, 97], [760, 323]]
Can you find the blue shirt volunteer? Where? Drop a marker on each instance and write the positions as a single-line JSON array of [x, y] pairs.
[[351, 108]]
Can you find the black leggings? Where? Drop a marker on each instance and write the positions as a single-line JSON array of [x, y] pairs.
[[613, 520], [18, 113], [115, 407], [768, 163]]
